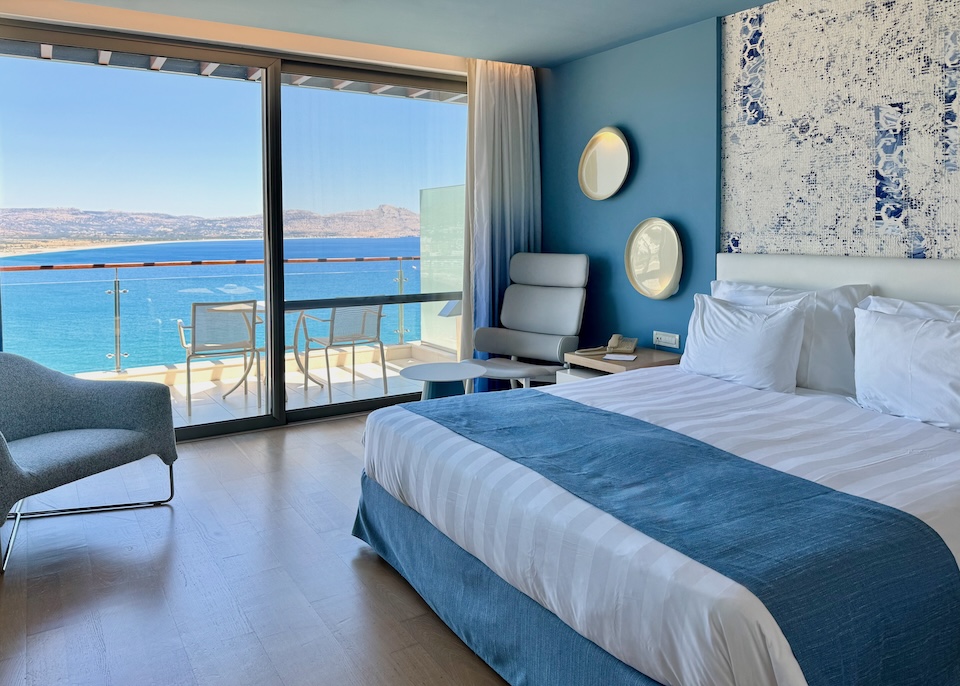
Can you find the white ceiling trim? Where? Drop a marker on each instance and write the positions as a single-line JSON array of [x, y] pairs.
[[67, 13]]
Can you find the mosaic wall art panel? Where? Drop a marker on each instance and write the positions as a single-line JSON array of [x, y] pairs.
[[840, 128]]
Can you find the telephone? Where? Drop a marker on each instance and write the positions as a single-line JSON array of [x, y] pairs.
[[619, 344]]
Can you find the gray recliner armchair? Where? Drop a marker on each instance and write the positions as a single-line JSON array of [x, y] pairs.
[[540, 318], [56, 429]]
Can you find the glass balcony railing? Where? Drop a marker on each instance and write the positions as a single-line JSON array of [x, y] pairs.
[[112, 317]]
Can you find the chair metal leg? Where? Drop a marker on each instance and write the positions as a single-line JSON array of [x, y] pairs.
[[263, 383], [383, 366], [296, 340], [247, 368], [353, 364], [259, 384], [296, 349], [326, 352], [306, 366], [189, 394], [17, 514]]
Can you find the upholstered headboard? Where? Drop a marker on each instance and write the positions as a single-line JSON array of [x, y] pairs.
[[936, 281]]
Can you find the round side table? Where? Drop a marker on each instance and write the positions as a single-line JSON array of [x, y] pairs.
[[442, 379]]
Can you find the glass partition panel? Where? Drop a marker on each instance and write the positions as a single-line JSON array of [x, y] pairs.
[[441, 240]]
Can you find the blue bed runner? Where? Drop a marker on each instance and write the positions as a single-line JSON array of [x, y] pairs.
[[864, 593]]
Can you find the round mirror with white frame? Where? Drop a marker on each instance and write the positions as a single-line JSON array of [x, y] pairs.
[[653, 258], [604, 164]]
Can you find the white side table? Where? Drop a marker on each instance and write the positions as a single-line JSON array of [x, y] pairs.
[[442, 379]]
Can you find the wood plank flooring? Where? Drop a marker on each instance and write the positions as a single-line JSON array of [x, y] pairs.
[[251, 577]]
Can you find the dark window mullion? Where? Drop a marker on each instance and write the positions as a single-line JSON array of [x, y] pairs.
[[273, 226]]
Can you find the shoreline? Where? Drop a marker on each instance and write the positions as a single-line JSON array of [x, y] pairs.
[[66, 245], [44, 247]]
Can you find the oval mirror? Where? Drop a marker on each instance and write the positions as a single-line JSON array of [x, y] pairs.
[[604, 164], [653, 258]]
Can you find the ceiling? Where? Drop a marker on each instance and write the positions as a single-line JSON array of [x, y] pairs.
[[536, 32]]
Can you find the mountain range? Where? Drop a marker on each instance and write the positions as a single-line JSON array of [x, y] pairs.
[[21, 226]]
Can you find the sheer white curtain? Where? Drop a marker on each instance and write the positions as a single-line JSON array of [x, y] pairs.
[[503, 186]]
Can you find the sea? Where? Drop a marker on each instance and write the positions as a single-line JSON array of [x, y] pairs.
[[65, 320]]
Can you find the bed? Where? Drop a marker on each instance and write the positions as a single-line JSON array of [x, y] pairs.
[[789, 538]]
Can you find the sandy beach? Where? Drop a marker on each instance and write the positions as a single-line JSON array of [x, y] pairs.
[[40, 247]]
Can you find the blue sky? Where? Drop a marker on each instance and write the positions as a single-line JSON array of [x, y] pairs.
[[101, 138]]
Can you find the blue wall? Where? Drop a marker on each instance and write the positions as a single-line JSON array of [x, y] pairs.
[[663, 93]]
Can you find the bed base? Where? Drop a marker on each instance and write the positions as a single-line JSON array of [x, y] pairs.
[[521, 640]]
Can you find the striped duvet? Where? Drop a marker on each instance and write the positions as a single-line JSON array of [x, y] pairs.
[[657, 610]]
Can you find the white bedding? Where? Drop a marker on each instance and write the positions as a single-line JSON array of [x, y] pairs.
[[657, 610]]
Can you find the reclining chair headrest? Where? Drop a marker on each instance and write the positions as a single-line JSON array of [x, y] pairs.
[[547, 269]]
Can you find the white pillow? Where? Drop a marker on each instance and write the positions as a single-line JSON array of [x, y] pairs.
[[906, 308], [909, 367], [826, 356], [753, 346]]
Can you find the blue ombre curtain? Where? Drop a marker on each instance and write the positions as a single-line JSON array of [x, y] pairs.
[[502, 188]]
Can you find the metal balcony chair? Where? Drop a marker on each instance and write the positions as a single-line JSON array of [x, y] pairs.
[[539, 318], [223, 329], [351, 326], [56, 429]]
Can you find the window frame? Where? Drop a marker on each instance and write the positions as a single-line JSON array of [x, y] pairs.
[[274, 64]]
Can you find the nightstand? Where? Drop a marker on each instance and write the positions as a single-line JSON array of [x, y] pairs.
[[587, 366]]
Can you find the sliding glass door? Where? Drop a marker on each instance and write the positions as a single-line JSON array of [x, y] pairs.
[[373, 196], [259, 235], [131, 220]]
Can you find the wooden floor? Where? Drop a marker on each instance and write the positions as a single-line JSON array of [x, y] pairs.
[[251, 577]]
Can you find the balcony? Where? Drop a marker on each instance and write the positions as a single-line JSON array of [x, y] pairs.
[[119, 322], [211, 379]]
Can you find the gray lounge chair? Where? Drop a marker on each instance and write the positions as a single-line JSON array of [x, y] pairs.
[[539, 318], [56, 429]]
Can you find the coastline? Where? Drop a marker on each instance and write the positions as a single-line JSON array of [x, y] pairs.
[[41, 247], [53, 245], [40, 230]]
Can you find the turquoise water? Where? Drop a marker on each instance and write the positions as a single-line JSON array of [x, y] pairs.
[[64, 319]]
